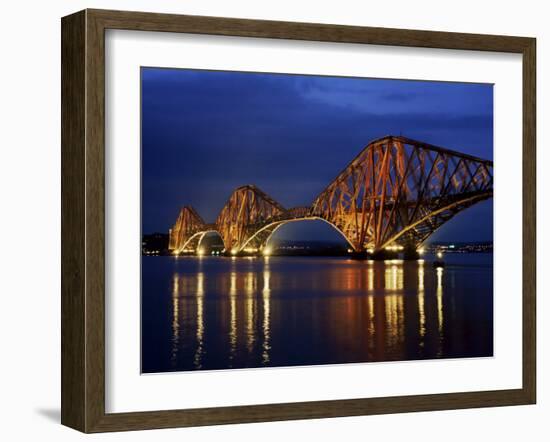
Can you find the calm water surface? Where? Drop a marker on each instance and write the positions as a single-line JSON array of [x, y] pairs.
[[217, 313]]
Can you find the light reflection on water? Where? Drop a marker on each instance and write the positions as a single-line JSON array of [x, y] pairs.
[[215, 313], [420, 297], [266, 315]]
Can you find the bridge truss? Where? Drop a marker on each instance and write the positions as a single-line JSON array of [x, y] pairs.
[[397, 191]]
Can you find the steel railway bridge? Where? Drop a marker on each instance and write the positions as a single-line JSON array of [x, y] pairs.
[[394, 194]]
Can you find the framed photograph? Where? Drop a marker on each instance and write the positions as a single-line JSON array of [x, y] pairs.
[[268, 220]]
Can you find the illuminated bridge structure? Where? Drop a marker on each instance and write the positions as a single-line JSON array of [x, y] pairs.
[[393, 195]]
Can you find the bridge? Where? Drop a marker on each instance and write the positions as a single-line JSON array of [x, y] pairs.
[[393, 195]]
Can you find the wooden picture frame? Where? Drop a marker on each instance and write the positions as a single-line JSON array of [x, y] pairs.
[[83, 220]]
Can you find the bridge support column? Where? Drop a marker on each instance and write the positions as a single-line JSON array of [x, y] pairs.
[[382, 255], [410, 253]]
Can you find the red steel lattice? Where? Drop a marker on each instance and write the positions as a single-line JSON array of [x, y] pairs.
[[396, 191]]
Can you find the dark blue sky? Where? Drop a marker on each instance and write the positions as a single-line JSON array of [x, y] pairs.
[[204, 133]]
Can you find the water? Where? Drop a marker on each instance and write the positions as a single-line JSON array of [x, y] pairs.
[[218, 313]]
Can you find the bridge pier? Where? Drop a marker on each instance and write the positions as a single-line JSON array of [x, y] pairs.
[[407, 254], [382, 255], [410, 253]]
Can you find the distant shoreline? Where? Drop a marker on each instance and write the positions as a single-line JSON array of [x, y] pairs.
[[156, 244]]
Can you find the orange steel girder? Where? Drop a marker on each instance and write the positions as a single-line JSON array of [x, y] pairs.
[[399, 190], [247, 210], [188, 224]]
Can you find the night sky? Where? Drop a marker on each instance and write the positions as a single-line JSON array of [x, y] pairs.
[[204, 133]]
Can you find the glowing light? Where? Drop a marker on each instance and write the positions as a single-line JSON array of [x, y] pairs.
[[394, 248], [267, 251], [200, 252], [393, 275], [200, 321], [421, 310], [394, 318], [421, 251], [266, 322], [371, 328], [371, 251], [440, 254], [350, 250], [370, 279], [234, 251], [233, 315], [175, 319], [439, 295]]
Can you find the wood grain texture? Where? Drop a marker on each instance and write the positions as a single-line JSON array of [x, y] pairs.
[[83, 219], [95, 222], [145, 21], [73, 252], [529, 221]]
